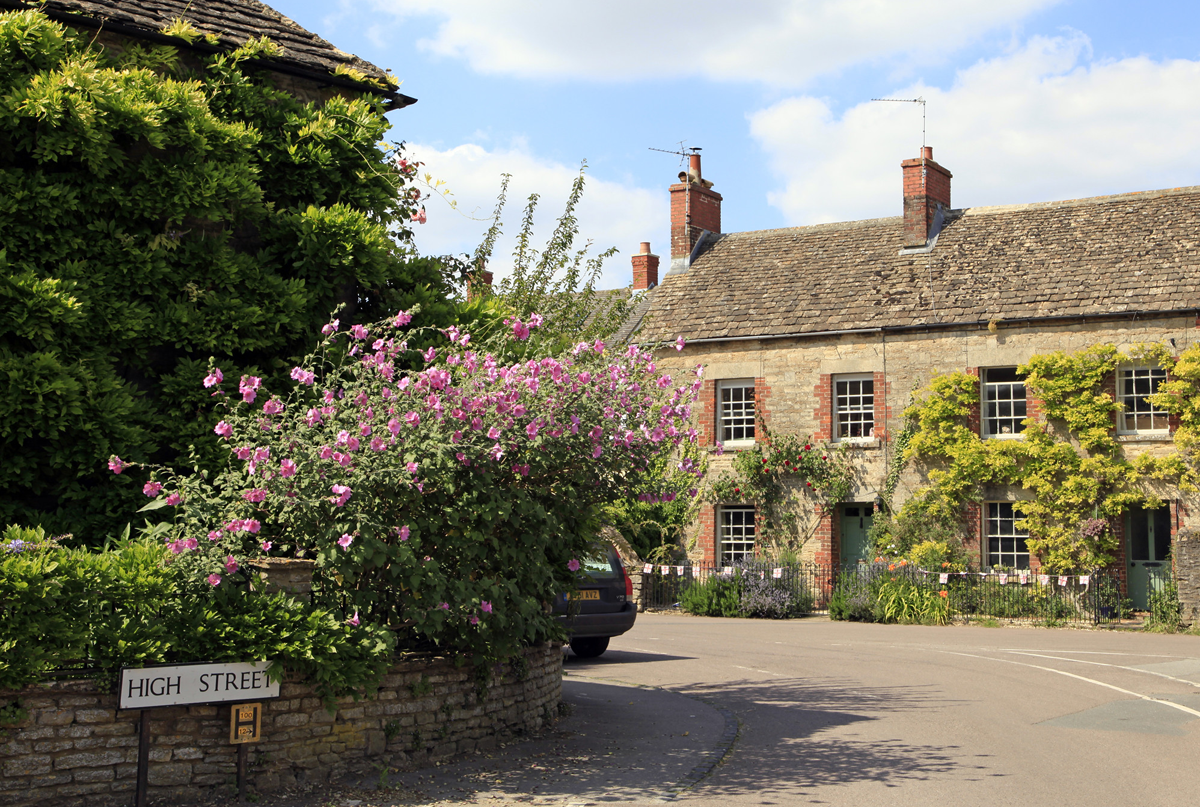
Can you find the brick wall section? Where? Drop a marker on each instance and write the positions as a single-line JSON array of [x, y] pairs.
[[76, 748], [708, 413], [706, 539], [926, 185], [824, 538], [974, 417], [883, 407], [762, 405], [705, 214], [1185, 551], [823, 413], [645, 271]]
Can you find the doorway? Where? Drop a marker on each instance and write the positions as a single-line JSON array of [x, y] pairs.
[[855, 523], [1148, 549]]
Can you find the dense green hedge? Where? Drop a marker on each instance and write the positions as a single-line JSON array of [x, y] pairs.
[[151, 218], [71, 609]]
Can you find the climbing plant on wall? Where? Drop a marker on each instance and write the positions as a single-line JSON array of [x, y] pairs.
[[1071, 464], [152, 216]]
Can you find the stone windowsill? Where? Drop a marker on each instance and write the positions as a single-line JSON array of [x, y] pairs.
[[1145, 438]]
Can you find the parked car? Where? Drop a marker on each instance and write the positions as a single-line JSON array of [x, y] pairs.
[[603, 606]]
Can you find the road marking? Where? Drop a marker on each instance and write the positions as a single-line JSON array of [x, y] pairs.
[[1139, 695], [1102, 664], [1093, 653], [764, 672]]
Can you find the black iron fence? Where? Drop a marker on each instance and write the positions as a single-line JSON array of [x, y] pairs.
[[865, 591]]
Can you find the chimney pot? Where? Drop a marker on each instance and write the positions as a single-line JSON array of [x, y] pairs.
[[927, 152], [645, 248], [694, 164]]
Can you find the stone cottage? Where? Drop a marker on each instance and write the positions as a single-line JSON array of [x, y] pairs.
[[827, 330]]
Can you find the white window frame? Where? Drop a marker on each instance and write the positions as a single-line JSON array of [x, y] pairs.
[[999, 519], [852, 410], [734, 416], [1141, 372], [1017, 429], [736, 538]]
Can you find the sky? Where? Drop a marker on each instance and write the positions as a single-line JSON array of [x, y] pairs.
[[1025, 101]]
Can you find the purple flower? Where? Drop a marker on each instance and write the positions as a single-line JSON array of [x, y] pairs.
[[493, 433], [486, 607], [273, 407], [445, 606], [573, 565], [214, 535], [430, 354], [520, 330], [596, 452], [248, 386], [532, 429], [305, 377]]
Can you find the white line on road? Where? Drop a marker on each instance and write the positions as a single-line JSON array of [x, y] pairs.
[[1097, 653], [1138, 695], [1102, 664], [764, 672]]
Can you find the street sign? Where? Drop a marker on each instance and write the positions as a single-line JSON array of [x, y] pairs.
[[245, 723], [181, 684]]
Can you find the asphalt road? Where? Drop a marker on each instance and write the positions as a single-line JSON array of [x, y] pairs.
[[730, 712], [850, 714]]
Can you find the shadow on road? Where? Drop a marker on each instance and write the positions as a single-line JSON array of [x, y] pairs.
[[801, 733], [595, 665]]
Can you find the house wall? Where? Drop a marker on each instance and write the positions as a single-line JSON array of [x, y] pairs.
[[799, 375]]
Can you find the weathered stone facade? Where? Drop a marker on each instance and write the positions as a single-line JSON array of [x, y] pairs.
[[1186, 556], [798, 372], [75, 747]]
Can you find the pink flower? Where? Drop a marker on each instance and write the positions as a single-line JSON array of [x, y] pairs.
[[223, 429], [341, 494], [412, 419], [214, 579], [493, 433], [305, 377], [312, 418], [596, 452], [345, 541], [231, 565], [394, 426], [273, 407], [365, 430], [354, 619], [115, 464], [486, 607], [377, 444], [445, 606], [411, 467], [403, 318], [266, 546], [535, 321], [429, 355], [214, 378], [358, 332], [598, 346], [256, 495], [331, 327], [214, 535], [679, 343], [532, 430], [287, 468], [152, 489], [474, 620], [173, 499], [404, 533], [191, 543], [251, 525], [496, 452], [573, 565], [520, 330], [420, 218], [262, 454], [353, 444], [247, 387]]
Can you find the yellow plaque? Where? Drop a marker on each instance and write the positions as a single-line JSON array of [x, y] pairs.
[[245, 723]]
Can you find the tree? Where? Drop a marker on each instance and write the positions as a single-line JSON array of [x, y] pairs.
[[153, 217]]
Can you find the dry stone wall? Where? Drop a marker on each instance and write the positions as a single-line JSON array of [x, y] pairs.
[[74, 747], [1186, 553]]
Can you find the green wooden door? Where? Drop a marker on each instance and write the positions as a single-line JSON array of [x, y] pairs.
[[1148, 549], [855, 522]]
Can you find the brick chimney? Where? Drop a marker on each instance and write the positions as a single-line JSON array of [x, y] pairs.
[[926, 198], [479, 284], [695, 207], [645, 269]]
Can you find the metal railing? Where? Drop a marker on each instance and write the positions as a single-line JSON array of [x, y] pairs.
[[1015, 596]]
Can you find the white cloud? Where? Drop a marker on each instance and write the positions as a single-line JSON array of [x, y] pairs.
[[1039, 124], [780, 42], [610, 213]]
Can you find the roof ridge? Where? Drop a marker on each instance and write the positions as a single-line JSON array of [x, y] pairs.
[[1082, 201]]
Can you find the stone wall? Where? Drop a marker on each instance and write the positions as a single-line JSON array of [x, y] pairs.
[[1186, 553], [75, 747]]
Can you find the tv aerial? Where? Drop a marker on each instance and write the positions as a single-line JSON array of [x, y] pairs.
[[918, 100]]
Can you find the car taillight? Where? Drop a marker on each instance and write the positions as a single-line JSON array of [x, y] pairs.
[[628, 584]]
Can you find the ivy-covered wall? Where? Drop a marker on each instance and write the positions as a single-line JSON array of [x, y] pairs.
[[1067, 469], [156, 211]]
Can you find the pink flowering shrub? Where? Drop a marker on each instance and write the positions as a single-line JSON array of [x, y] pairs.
[[427, 494]]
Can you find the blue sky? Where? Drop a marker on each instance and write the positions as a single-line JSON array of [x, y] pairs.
[[1027, 101]]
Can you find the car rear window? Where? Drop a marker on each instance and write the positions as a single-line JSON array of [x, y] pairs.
[[601, 564]]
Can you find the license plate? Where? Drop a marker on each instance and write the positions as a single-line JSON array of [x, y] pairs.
[[590, 594]]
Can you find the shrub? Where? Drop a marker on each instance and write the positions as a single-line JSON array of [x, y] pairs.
[[889, 593], [716, 596], [95, 612], [450, 502], [770, 598], [1165, 609]]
